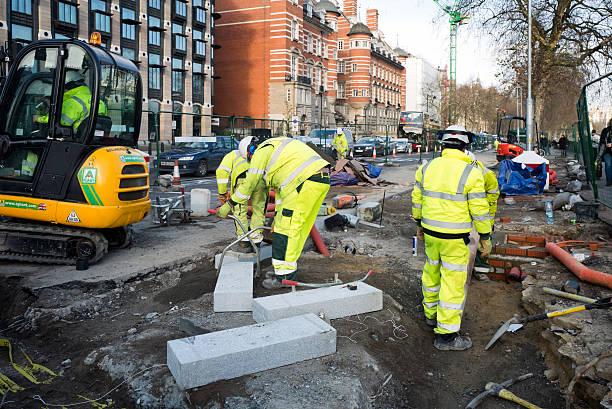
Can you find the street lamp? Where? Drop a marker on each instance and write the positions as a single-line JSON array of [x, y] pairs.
[[529, 97]]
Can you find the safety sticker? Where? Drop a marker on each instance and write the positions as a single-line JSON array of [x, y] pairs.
[[17, 204], [90, 175], [131, 158], [73, 218]]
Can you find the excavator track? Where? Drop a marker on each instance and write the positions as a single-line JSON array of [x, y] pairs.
[[36, 242]]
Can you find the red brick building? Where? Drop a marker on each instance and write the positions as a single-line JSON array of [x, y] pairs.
[[300, 59]]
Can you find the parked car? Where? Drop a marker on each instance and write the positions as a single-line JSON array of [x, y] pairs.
[[323, 138], [196, 158], [401, 146], [365, 147]]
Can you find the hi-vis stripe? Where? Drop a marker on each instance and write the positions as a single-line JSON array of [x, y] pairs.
[[90, 192]]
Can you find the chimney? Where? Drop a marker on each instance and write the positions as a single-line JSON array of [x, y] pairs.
[[350, 7], [372, 19]]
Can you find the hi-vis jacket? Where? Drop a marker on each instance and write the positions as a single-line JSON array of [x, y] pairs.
[[339, 143], [76, 107], [283, 163], [231, 168], [491, 187], [449, 195]]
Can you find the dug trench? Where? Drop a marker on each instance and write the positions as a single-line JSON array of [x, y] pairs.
[[384, 359]]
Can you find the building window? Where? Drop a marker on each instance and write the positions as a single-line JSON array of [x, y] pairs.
[[355, 93], [315, 44], [20, 32], [293, 68], [128, 53], [180, 41], [154, 35], [200, 15], [341, 66], [128, 30], [288, 95], [341, 90], [177, 75], [294, 30], [341, 45], [102, 21], [180, 8], [155, 4], [154, 71], [197, 120], [67, 13], [22, 6], [364, 92], [199, 46], [354, 67]]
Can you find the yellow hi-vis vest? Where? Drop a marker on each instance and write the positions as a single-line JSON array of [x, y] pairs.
[[76, 104], [283, 163], [232, 166], [491, 187], [28, 165], [449, 195], [339, 143]]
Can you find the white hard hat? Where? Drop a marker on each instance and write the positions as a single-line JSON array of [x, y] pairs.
[[339, 131], [471, 155], [243, 146], [457, 133]]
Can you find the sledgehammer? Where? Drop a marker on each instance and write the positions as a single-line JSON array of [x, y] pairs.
[[499, 389]]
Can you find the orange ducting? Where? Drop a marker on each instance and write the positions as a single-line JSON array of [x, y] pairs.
[[318, 241], [580, 270]]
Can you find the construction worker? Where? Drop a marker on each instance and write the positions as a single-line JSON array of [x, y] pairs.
[[231, 173], [300, 178], [76, 102], [340, 144], [496, 144], [481, 264], [448, 199]]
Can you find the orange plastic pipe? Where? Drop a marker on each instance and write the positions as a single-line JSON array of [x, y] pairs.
[[318, 241], [580, 270]]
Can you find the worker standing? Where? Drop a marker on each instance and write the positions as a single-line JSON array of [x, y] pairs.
[[231, 173], [481, 263], [340, 144], [300, 178], [449, 196]]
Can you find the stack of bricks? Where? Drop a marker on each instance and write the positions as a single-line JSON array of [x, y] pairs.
[[519, 245]]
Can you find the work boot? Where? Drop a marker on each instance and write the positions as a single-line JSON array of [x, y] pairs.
[[245, 247], [274, 281], [432, 322], [481, 268], [452, 342]]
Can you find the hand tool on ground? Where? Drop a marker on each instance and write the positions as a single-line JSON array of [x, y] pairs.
[[571, 296], [602, 303], [499, 389], [320, 285]]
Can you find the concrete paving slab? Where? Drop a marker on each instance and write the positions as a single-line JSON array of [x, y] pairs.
[[264, 253], [334, 302], [203, 359], [234, 289]]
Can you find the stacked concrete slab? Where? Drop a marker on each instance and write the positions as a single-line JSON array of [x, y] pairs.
[[234, 289], [203, 359], [334, 302]]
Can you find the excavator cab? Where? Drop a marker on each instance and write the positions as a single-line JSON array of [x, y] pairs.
[[70, 119], [512, 135]]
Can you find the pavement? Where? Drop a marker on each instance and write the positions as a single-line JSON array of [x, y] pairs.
[[158, 249]]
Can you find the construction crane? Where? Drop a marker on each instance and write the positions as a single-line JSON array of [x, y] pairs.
[[455, 19]]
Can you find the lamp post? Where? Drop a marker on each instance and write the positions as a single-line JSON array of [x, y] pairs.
[[321, 90], [529, 97]]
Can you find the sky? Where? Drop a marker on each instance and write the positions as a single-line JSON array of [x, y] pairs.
[[421, 31]]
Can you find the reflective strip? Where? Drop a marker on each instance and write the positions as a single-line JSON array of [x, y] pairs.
[[276, 154], [241, 196], [485, 171], [256, 171], [451, 306], [242, 160], [481, 218], [299, 170], [222, 181], [225, 168], [477, 195], [433, 290], [80, 101], [420, 185], [278, 202], [423, 173], [430, 304], [417, 206], [67, 119], [482, 269], [431, 262], [454, 267], [447, 225], [449, 327], [464, 178], [280, 263], [492, 192], [445, 196]]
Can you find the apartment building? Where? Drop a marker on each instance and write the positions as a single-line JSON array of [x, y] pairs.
[[423, 85], [297, 59], [171, 41]]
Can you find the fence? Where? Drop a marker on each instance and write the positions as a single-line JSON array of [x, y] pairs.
[[586, 151]]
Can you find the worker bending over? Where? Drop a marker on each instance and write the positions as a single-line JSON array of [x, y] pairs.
[[231, 173], [340, 144], [448, 197], [481, 263], [301, 180]]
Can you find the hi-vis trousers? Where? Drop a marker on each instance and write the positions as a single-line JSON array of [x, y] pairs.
[[444, 282], [259, 199], [294, 219]]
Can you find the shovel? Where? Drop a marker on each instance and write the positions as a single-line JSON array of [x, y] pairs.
[[602, 303]]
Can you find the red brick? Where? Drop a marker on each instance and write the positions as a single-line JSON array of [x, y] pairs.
[[496, 263], [500, 249], [537, 252], [539, 241], [513, 251], [504, 220]]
